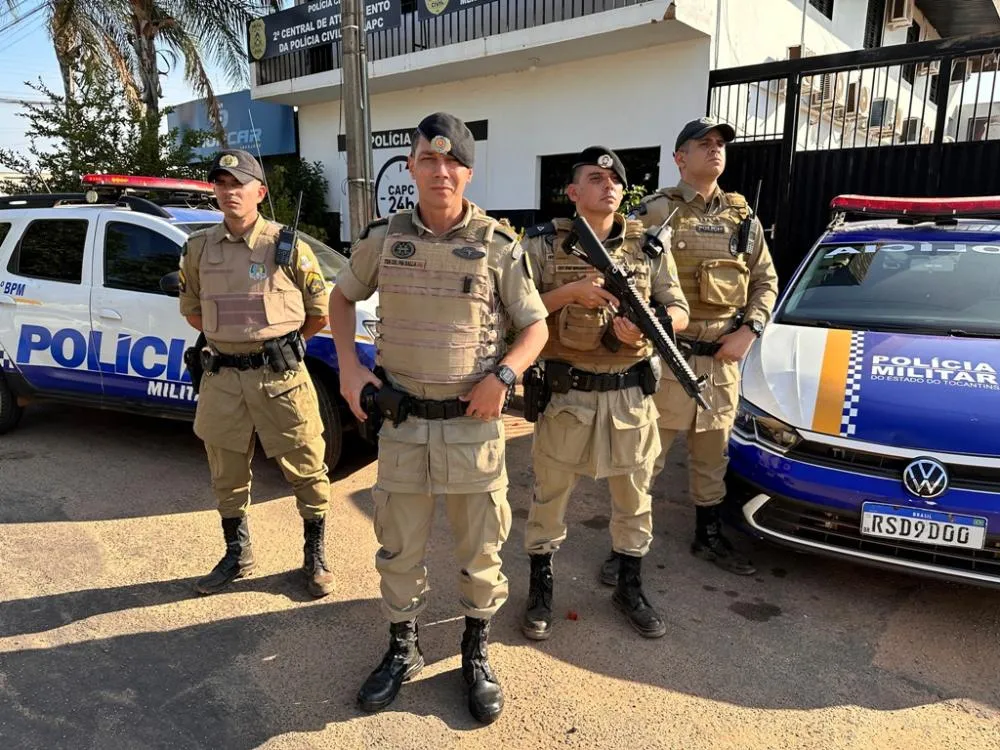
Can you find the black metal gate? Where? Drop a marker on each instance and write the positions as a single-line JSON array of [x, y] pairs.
[[909, 120]]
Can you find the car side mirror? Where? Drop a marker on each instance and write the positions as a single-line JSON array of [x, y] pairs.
[[171, 283]]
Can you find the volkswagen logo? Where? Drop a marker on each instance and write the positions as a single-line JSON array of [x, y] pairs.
[[925, 477]]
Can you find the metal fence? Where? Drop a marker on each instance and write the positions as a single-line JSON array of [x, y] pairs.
[[414, 35], [909, 120]]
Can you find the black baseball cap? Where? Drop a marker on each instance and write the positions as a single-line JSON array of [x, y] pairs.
[[449, 135], [237, 162], [602, 157], [700, 127]]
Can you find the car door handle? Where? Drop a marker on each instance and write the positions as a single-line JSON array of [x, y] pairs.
[[109, 314], [6, 299]]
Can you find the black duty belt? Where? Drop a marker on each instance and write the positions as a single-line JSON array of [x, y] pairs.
[[242, 361], [562, 378], [428, 409], [698, 348]]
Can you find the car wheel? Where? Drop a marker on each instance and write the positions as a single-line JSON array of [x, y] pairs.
[[10, 410], [333, 428]]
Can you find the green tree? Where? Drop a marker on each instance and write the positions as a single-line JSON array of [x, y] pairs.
[[631, 198], [286, 176], [98, 131], [133, 38]]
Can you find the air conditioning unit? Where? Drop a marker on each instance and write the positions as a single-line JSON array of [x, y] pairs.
[[899, 14]]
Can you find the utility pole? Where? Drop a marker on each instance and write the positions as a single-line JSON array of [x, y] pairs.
[[357, 119]]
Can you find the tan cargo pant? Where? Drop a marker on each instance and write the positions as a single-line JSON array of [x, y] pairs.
[[480, 523], [303, 468], [631, 510], [282, 409], [708, 458]]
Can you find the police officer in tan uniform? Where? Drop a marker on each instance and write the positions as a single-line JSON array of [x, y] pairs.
[[729, 280], [449, 278], [600, 420], [255, 314]]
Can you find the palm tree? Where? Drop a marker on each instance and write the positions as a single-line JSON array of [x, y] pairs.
[[132, 38]]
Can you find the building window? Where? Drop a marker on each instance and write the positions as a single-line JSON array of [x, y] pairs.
[[874, 24], [823, 6], [911, 130], [51, 249], [981, 129]]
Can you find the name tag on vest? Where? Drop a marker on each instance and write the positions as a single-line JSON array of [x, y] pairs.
[[710, 228], [574, 268], [404, 263]]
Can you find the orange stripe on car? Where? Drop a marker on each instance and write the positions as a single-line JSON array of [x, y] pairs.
[[832, 382]]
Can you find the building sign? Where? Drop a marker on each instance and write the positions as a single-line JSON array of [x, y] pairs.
[[394, 188], [273, 124], [428, 9], [311, 25]]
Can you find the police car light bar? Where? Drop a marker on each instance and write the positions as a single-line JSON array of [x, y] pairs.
[[146, 183], [987, 205]]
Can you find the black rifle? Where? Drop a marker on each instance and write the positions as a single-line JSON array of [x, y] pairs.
[[634, 307]]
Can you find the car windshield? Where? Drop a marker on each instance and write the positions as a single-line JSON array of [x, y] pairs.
[[330, 260], [947, 287]]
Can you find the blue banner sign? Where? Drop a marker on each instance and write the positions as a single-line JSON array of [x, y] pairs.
[[274, 123]]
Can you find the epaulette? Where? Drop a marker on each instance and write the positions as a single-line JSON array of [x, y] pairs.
[[506, 231], [540, 229], [739, 203], [634, 229], [200, 233], [377, 223]]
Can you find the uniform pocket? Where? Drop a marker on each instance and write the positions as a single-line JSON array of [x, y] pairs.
[[475, 450], [633, 421], [722, 397], [209, 316], [281, 307], [581, 328], [403, 452], [564, 433], [291, 399], [723, 282], [497, 526]]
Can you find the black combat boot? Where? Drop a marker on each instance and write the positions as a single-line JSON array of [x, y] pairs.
[[709, 544], [485, 695], [537, 622], [609, 570], [401, 662], [236, 563], [628, 597], [319, 579]]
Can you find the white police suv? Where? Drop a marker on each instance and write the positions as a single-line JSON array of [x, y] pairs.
[[83, 318], [869, 418]]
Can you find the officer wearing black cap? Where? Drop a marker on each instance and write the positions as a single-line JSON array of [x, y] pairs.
[[600, 421], [730, 282], [255, 314], [449, 278]]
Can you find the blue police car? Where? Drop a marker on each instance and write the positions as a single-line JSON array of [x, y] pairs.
[[869, 418], [83, 318]]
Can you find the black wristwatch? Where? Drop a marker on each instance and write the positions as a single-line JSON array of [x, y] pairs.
[[505, 375], [756, 326]]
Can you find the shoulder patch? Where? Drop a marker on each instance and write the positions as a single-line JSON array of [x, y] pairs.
[[540, 229], [736, 200], [634, 229], [377, 223]]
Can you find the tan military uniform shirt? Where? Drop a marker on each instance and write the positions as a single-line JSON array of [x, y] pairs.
[[455, 456], [303, 270], [718, 215], [601, 434]]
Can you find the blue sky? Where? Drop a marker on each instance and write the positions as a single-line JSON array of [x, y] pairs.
[[26, 53]]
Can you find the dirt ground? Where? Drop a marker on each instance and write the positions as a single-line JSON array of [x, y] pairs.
[[106, 520]]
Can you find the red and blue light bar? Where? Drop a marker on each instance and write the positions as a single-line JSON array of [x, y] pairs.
[[986, 205], [146, 183]]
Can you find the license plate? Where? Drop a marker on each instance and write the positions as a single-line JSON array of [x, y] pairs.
[[923, 526]]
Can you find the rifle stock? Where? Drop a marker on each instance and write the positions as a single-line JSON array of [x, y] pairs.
[[583, 243]]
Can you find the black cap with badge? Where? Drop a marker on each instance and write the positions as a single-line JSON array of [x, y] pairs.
[[602, 157], [237, 162], [700, 128], [449, 135]]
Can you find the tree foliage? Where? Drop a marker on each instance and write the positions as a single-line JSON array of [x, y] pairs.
[[286, 176], [99, 130]]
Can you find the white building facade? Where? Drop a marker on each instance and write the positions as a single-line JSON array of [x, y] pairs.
[[538, 80]]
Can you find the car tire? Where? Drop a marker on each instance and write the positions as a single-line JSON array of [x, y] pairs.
[[10, 410], [329, 414]]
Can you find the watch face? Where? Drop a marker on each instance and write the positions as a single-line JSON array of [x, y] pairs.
[[506, 375]]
